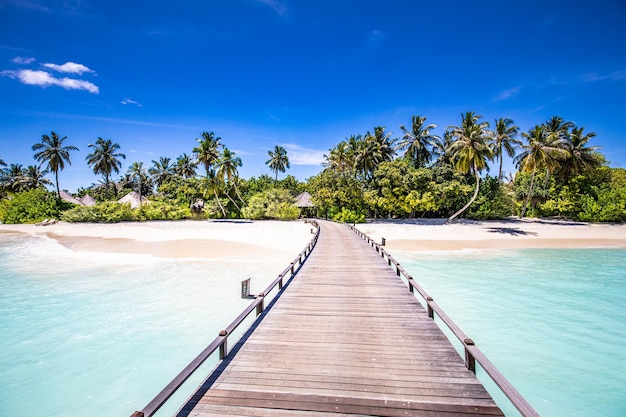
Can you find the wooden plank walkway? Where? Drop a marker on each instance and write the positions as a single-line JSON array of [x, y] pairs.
[[345, 338]]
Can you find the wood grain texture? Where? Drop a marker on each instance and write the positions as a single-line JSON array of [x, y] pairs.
[[345, 337]]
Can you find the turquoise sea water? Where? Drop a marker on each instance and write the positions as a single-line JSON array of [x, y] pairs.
[[101, 334], [553, 321]]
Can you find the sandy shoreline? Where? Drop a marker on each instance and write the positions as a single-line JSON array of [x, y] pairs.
[[434, 234], [265, 239], [179, 239]]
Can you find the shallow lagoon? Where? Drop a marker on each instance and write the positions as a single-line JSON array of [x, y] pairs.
[[103, 333]]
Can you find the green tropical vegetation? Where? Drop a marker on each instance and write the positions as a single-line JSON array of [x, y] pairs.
[[559, 173]]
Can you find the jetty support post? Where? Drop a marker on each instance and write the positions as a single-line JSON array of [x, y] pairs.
[[261, 305], [470, 361]]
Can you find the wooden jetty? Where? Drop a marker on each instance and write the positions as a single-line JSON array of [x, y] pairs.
[[346, 338]]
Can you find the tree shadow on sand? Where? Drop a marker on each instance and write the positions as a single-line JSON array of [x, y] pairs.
[[510, 231]]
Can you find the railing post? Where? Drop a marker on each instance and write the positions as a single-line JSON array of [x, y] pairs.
[[470, 361], [431, 313], [224, 345], [398, 269], [280, 283], [261, 306], [411, 288]]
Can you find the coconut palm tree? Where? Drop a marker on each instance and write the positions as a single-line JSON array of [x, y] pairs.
[[581, 159], [185, 166], [161, 170], [33, 177], [542, 151], [52, 152], [138, 175], [504, 140], [227, 172], [105, 160], [419, 142], [441, 149], [372, 150], [339, 158], [12, 177], [279, 161], [471, 150], [207, 152], [213, 185]]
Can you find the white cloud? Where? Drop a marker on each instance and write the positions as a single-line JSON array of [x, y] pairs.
[[299, 155], [22, 60], [44, 79], [507, 94], [70, 68], [614, 76], [131, 101], [279, 7]]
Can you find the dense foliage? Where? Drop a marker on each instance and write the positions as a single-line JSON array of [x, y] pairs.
[[30, 207], [275, 203], [373, 175]]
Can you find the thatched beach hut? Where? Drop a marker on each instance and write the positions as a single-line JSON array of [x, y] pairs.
[[87, 200], [133, 199], [303, 201], [65, 196]]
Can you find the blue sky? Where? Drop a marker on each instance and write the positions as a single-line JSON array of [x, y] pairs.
[[153, 75]]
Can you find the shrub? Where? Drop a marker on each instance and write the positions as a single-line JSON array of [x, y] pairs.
[[30, 207], [274, 203]]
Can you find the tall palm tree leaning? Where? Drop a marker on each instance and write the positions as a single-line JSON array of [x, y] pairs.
[[542, 151], [52, 152], [279, 161], [105, 160], [419, 142], [471, 150], [504, 140]]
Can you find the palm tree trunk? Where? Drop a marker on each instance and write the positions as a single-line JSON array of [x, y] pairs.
[[530, 192], [219, 203], [233, 201], [469, 203], [56, 176], [500, 170]]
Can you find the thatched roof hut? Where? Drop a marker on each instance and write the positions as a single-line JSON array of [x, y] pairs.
[[65, 196], [304, 200], [87, 200], [133, 199]]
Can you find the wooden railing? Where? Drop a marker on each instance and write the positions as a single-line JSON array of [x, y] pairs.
[[472, 353], [221, 341]]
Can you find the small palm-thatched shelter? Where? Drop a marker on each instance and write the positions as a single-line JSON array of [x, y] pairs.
[[133, 199], [304, 200], [87, 200], [65, 196]]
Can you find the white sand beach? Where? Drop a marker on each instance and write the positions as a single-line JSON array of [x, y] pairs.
[[180, 239], [263, 239], [435, 234]]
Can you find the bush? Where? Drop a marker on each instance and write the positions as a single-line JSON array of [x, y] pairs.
[[274, 203], [347, 216], [110, 212], [31, 207]]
